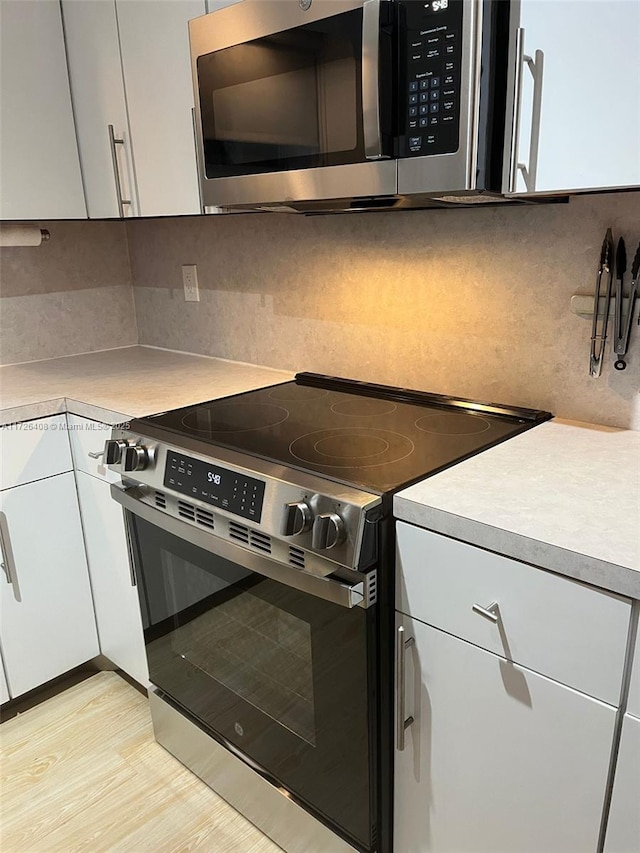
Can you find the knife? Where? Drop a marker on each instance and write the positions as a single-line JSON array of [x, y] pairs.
[[621, 342], [599, 327]]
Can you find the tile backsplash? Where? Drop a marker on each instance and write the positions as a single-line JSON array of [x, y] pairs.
[[72, 294], [469, 302]]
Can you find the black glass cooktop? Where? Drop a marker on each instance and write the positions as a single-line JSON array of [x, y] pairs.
[[375, 437]]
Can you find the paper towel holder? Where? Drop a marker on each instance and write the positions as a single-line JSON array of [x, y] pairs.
[[23, 236]]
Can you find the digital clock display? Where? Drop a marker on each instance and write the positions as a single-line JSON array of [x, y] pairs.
[[220, 487], [437, 5]]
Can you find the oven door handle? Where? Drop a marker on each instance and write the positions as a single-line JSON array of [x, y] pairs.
[[346, 595]]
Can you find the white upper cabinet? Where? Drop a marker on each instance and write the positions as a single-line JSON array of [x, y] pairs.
[[39, 167], [580, 95], [97, 88], [154, 40], [130, 72]]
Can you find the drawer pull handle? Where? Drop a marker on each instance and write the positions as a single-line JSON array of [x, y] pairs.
[[402, 722], [96, 454], [492, 612]]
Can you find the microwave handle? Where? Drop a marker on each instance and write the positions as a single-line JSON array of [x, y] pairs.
[[371, 80]]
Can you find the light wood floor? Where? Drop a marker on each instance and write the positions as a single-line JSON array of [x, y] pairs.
[[82, 772]]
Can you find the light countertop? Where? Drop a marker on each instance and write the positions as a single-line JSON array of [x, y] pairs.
[[564, 496], [114, 385]]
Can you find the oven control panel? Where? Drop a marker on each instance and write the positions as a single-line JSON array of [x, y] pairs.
[[430, 53], [215, 485]]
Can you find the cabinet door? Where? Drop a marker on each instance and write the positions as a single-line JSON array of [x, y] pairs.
[[48, 626], [589, 86], [154, 40], [97, 88], [498, 759], [4, 687], [115, 598], [39, 166], [623, 830]]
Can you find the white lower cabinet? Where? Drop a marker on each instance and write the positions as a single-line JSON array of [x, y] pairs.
[[4, 687], [623, 830], [115, 598], [498, 759], [47, 625]]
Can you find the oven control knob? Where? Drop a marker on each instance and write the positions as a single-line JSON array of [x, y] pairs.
[[113, 450], [328, 531], [298, 518], [135, 457]]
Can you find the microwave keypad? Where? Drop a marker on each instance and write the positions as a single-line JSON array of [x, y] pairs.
[[432, 54]]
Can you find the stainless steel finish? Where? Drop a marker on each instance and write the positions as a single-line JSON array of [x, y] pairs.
[[448, 173], [298, 518], [129, 539], [136, 457], [375, 178], [492, 612], [268, 807], [253, 19], [284, 486], [344, 594], [371, 79], [197, 156], [95, 455], [530, 171], [328, 531], [402, 722], [113, 451], [600, 321], [113, 141], [8, 564]]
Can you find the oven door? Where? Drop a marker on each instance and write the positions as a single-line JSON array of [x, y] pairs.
[[294, 104], [283, 677]]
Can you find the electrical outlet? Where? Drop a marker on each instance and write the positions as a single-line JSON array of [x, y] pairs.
[[190, 283]]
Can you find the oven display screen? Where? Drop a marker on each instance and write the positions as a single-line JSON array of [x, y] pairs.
[[217, 486]]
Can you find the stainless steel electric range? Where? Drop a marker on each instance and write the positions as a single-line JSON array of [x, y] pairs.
[[261, 542]]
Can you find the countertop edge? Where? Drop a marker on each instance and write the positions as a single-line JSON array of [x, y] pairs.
[[599, 573]]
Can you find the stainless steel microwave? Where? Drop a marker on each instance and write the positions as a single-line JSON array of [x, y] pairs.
[[315, 105]]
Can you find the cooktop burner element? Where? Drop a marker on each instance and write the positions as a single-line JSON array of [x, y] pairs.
[[210, 419], [455, 424], [351, 447], [369, 436]]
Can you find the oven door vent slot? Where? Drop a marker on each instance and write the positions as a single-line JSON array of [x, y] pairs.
[[186, 510], [296, 557], [160, 500], [261, 541], [239, 532], [204, 518]]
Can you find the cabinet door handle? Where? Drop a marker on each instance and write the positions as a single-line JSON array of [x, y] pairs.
[[536, 68], [402, 722], [113, 141], [8, 563], [492, 612], [95, 454]]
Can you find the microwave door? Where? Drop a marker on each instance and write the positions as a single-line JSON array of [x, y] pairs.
[[445, 127], [287, 102]]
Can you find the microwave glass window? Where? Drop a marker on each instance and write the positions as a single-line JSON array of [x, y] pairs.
[[290, 100]]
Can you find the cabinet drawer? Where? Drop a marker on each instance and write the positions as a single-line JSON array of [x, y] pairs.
[[633, 706], [87, 437], [34, 450], [566, 630]]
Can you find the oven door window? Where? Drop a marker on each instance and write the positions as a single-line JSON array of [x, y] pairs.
[[291, 100], [280, 675]]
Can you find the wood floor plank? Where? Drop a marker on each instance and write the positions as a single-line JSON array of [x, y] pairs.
[[81, 773]]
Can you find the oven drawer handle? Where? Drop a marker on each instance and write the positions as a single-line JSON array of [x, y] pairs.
[[344, 594]]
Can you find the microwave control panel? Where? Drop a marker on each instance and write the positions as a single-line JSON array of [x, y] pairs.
[[220, 487], [430, 61]]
